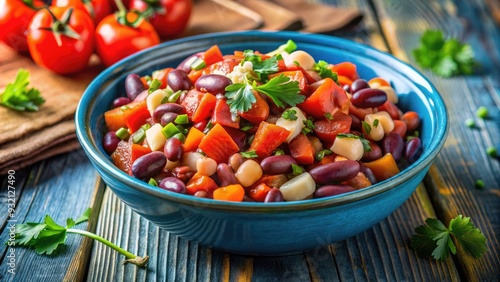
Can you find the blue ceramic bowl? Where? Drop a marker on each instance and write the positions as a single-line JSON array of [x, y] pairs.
[[257, 228]]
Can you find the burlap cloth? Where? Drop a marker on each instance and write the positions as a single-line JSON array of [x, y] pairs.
[[28, 137]]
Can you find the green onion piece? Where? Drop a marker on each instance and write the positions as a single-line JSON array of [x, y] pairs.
[[482, 112], [470, 123], [479, 184], [289, 114], [249, 154], [122, 133], [246, 127], [279, 152], [153, 182], [321, 154], [146, 126], [139, 136], [182, 119], [174, 96], [297, 169], [180, 136], [328, 116], [170, 130], [154, 85], [198, 64], [491, 151]]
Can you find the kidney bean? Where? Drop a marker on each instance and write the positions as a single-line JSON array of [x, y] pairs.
[[133, 85], [277, 164], [412, 120], [167, 108], [375, 153], [335, 172], [359, 84], [368, 98], [212, 83], [186, 64], [226, 175], [368, 173], [235, 160], [183, 173], [149, 165], [173, 184], [274, 195], [121, 101], [173, 149], [178, 80], [332, 190], [394, 144], [347, 88], [413, 150], [247, 199], [356, 122], [110, 142], [201, 194], [167, 118]]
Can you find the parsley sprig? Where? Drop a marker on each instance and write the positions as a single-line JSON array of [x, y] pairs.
[[18, 96], [444, 57], [261, 67], [434, 239], [321, 67], [47, 236]]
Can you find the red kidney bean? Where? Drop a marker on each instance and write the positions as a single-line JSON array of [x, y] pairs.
[[368, 173], [110, 142], [186, 64], [394, 144], [226, 175], [374, 154], [173, 184], [356, 122], [335, 172], [173, 149], [347, 88], [167, 118], [413, 150], [359, 84], [184, 173], [332, 190], [277, 164], [142, 96], [247, 199], [212, 83], [133, 85], [201, 194], [149, 165], [178, 80], [274, 195], [167, 108], [121, 101], [368, 98]]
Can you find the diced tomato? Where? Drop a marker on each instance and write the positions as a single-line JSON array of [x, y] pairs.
[[310, 79], [199, 106], [223, 116], [201, 182], [327, 98], [127, 116], [195, 74], [267, 138], [224, 67], [359, 112], [259, 111], [346, 69], [126, 153], [218, 144], [302, 150], [162, 75], [259, 192], [327, 130], [212, 55], [137, 116], [294, 75]]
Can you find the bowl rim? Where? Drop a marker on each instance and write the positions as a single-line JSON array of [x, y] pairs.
[[84, 132]]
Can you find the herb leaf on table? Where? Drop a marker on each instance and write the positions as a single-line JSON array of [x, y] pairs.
[[18, 96]]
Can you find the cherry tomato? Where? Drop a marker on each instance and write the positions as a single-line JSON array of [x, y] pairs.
[[62, 41], [169, 17], [97, 9], [15, 16], [116, 39]]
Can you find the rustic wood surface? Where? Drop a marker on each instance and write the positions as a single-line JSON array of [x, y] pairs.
[[64, 186]]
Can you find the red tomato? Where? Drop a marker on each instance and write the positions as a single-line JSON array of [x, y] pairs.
[[97, 9], [169, 17], [15, 16], [70, 54], [115, 41]]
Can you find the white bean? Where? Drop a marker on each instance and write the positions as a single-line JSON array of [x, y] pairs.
[[351, 148], [248, 173], [206, 166], [298, 188], [190, 159]]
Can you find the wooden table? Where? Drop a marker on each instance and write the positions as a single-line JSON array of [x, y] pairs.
[[66, 185]]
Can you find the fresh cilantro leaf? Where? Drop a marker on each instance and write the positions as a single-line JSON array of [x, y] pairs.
[[239, 97], [366, 143], [366, 126], [444, 57], [434, 239], [321, 67], [18, 96], [282, 91], [249, 154], [261, 67], [376, 122], [289, 114]]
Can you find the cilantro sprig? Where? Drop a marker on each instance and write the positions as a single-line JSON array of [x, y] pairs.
[[444, 57], [434, 239], [47, 236], [18, 96]]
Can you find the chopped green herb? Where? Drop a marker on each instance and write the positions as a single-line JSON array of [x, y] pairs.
[[308, 126], [322, 69], [328, 116], [470, 123], [153, 182], [482, 112], [366, 143], [246, 127], [434, 239], [18, 96], [48, 236], [249, 154], [289, 114], [376, 122], [491, 151], [239, 97], [479, 184], [367, 127], [261, 67], [154, 85], [297, 169], [122, 133], [444, 57], [321, 154]]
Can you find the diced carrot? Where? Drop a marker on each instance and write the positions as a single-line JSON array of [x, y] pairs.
[[302, 150], [218, 144], [294, 75], [327, 98], [223, 116], [259, 192], [193, 139], [232, 193], [378, 81], [199, 106], [327, 130], [162, 75], [117, 117], [137, 116], [383, 168], [259, 111], [212, 55], [195, 74], [201, 182], [267, 138], [346, 69], [344, 80]]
